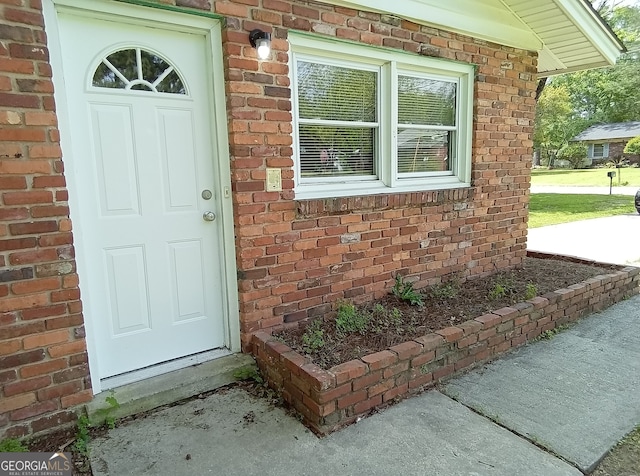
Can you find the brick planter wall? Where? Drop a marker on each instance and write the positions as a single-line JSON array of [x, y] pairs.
[[329, 399]]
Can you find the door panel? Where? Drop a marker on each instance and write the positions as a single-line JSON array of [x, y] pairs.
[[153, 287], [176, 141], [115, 159], [128, 289]]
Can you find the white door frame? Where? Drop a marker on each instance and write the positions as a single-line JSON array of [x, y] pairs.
[[208, 26]]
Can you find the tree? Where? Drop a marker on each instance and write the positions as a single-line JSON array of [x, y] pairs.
[[599, 96], [633, 146], [556, 122]]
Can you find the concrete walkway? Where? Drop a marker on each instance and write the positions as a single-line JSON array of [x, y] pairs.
[[575, 395], [609, 240]]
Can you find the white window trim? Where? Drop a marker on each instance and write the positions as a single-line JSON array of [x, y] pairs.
[[389, 63]]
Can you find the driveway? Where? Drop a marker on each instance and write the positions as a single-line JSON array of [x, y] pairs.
[[610, 239], [583, 190]]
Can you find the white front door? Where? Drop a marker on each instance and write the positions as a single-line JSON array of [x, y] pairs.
[[142, 146]]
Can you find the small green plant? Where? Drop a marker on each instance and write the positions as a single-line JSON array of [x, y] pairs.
[[248, 373], [404, 291], [443, 291], [531, 291], [504, 287], [498, 292], [104, 414], [350, 319], [81, 445], [313, 337], [383, 320], [12, 445]]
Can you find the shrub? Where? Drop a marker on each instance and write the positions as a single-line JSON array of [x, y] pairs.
[[575, 154]]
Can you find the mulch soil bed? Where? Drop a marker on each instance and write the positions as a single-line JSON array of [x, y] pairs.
[[447, 304]]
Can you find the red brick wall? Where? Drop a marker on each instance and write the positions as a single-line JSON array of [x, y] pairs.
[[616, 149], [43, 363], [295, 258]]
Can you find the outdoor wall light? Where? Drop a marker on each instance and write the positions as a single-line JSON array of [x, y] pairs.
[[261, 41]]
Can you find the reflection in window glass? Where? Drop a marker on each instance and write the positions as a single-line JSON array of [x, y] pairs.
[[105, 78], [337, 120], [336, 151], [336, 94], [426, 101], [426, 125], [424, 150], [137, 69]]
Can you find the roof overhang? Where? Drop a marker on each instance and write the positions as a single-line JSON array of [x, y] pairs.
[[567, 34]]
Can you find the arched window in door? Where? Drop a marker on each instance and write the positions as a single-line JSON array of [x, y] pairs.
[[140, 70]]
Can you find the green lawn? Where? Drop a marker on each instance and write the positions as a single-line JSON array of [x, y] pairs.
[[586, 177], [553, 208]]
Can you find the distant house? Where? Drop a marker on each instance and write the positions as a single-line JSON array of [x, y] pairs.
[[608, 140]]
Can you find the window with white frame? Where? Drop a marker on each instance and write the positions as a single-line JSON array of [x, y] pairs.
[[371, 120], [600, 151]]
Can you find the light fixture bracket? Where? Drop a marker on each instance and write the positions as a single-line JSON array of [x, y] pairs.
[[256, 35]]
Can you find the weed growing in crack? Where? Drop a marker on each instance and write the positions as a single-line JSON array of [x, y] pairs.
[[248, 373], [104, 414], [81, 445], [551, 333]]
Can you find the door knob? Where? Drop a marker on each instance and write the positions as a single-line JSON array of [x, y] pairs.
[[209, 216]]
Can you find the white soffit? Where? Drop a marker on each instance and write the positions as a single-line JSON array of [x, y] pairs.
[[567, 34]]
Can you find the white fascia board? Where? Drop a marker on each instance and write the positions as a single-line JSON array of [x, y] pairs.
[[573, 69], [593, 29], [488, 20]]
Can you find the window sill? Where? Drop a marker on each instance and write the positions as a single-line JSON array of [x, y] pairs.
[[362, 189], [387, 199]]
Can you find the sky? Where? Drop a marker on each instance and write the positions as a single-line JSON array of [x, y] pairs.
[[629, 3]]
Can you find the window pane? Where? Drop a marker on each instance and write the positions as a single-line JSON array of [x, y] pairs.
[[125, 62], [171, 84], [154, 70], [598, 150], [335, 93], [424, 150], [426, 101], [152, 66], [105, 78], [336, 151]]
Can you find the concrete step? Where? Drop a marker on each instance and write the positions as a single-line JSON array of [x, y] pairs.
[[167, 388]]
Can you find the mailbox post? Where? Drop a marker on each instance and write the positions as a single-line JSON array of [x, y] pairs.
[[611, 174]]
